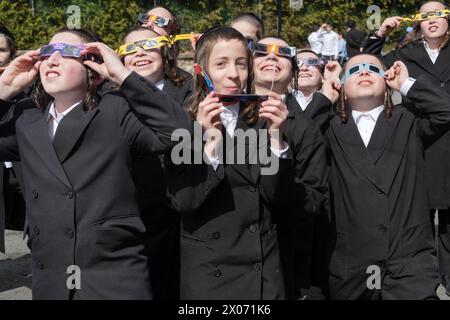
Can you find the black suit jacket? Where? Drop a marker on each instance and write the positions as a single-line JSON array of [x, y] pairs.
[[379, 198], [308, 197], [80, 194], [438, 155], [161, 222], [12, 212], [229, 238]]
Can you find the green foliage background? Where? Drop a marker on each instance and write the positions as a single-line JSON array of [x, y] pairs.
[[110, 19]]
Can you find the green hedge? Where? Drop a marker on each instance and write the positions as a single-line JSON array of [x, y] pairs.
[[110, 19]]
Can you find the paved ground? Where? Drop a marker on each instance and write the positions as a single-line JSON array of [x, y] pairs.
[[15, 270]]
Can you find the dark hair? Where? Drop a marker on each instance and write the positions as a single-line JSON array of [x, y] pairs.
[[10, 41], [177, 28], [293, 60], [254, 20], [343, 109], [169, 57], [350, 24], [314, 27], [204, 46], [322, 67], [418, 40], [42, 98]]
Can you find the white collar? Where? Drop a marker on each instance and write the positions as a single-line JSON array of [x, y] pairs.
[[427, 47], [160, 84], [300, 94], [231, 112], [373, 114], [57, 116]]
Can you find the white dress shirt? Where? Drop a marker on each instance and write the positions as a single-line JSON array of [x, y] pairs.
[[433, 54], [54, 118], [316, 41], [365, 121], [160, 84], [330, 44], [229, 119], [302, 100]]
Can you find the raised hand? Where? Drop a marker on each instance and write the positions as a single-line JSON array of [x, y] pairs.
[[275, 112], [208, 115], [19, 74], [397, 75], [389, 25], [112, 67], [332, 70]]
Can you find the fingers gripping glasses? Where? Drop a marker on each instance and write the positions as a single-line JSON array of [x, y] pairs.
[[228, 98], [358, 68], [428, 15]]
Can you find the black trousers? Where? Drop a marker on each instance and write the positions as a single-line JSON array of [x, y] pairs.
[[443, 244]]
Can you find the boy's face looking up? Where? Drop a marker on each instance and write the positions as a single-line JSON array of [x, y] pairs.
[[364, 90]]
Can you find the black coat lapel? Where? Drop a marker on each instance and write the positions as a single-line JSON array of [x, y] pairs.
[[70, 128], [381, 135], [37, 133], [421, 57], [442, 64], [351, 143]]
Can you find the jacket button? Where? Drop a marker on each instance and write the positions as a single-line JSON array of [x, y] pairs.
[[257, 267], [35, 194], [252, 188], [216, 235], [36, 231], [383, 264], [217, 273], [252, 228], [443, 84], [69, 233], [39, 265], [70, 194], [382, 228]]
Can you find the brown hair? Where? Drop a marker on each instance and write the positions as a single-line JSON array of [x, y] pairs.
[[418, 40], [204, 46], [169, 56], [42, 98], [343, 109], [10, 41]]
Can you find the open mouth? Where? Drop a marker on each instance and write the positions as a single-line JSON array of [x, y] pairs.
[[142, 63], [304, 75], [271, 68], [433, 28], [52, 74]]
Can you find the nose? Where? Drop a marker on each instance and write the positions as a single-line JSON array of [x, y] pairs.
[[54, 59], [364, 72], [141, 52], [272, 56], [233, 72], [304, 67]]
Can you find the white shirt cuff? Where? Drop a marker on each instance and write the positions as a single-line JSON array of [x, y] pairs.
[[404, 89], [283, 153], [215, 162]]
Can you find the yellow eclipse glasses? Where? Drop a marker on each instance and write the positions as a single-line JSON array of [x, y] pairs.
[[428, 15]]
